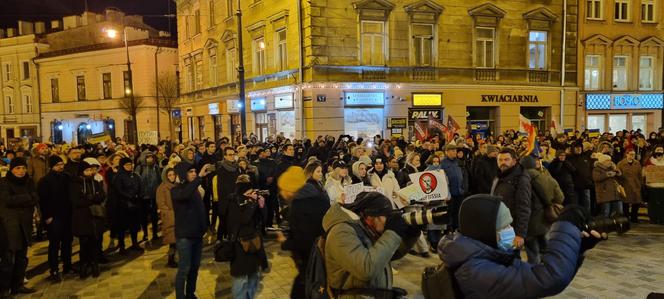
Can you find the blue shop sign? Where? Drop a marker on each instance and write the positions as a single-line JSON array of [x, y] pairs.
[[624, 101], [258, 104]]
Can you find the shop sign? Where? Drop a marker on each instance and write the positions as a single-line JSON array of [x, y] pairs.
[[624, 101], [509, 98], [424, 114], [213, 108], [284, 101], [233, 106], [396, 122], [258, 104], [427, 99], [365, 99]]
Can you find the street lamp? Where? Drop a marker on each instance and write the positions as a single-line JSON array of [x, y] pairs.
[[112, 33], [240, 70]]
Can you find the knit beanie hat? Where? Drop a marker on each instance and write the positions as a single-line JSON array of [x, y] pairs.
[[53, 160], [83, 165], [292, 180], [528, 162], [16, 162], [181, 170], [125, 160], [242, 184], [92, 161], [371, 204], [481, 215]]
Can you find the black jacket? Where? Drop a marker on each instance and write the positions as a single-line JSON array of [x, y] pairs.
[[516, 191], [484, 170], [307, 209], [403, 177], [191, 220], [71, 169], [127, 190], [18, 198], [85, 193], [583, 176], [266, 169], [562, 171], [226, 176], [54, 200], [284, 163], [242, 225]]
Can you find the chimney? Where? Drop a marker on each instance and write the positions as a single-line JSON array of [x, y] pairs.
[[2, 33], [55, 25], [40, 27], [25, 28], [11, 32]]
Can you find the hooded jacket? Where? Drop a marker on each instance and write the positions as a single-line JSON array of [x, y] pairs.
[[166, 211], [515, 189], [365, 262], [307, 209], [356, 174], [388, 184], [18, 198], [191, 220], [483, 271], [606, 188]]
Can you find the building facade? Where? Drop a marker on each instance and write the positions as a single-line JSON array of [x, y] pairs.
[[620, 64], [374, 66]]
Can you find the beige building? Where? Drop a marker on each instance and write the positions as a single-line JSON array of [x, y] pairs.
[[620, 57], [369, 67]]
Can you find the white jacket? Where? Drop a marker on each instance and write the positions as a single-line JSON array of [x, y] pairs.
[[335, 188], [388, 185]]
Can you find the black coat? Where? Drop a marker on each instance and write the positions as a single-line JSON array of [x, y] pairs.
[[226, 176], [127, 191], [86, 192], [242, 224], [484, 170], [284, 163], [191, 219], [307, 209], [55, 202], [516, 191], [266, 169], [18, 198], [583, 176], [71, 169], [562, 171], [403, 177]]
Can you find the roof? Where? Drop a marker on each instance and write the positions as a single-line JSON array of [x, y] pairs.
[[105, 46]]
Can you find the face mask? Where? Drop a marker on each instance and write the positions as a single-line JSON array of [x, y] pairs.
[[506, 239]]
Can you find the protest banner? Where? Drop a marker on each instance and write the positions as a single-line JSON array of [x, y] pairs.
[[654, 174], [426, 186]]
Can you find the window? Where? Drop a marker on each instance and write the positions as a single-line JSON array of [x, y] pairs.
[[484, 47], [55, 90], [199, 74], [593, 72], [620, 72], [229, 8], [11, 106], [106, 85], [27, 104], [639, 122], [80, 87], [372, 46], [190, 76], [617, 122], [648, 11], [26, 70], [595, 121], [621, 10], [212, 67], [423, 44], [126, 82], [211, 19], [231, 65], [282, 49], [646, 73], [7, 71], [197, 21], [259, 56], [594, 9], [537, 50]]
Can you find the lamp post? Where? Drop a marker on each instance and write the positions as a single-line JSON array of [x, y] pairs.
[[112, 33], [240, 72]]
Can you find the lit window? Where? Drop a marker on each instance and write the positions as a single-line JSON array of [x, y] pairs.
[[594, 9], [593, 72], [648, 11], [372, 45], [537, 49], [646, 73], [621, 10], [80, 87], [106, 85], [282, 50], [55, 90], [126, 83], [27, 104], [11, 106], [423, 44], [259, 56], [485, 47], [620, 72]]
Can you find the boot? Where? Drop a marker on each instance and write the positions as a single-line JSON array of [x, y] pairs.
[[95, 270], [171, 261]]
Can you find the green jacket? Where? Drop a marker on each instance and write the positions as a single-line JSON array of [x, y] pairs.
[[546, 191], [356, 261]]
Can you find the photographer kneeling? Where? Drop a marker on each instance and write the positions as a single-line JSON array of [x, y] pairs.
[[483, 263], [362, 239]]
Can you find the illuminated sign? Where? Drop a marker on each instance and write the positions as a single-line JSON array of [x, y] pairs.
[[424, 114], [213, 108], [258, 104], [509, 98], [365, 99], [396, 122], [233, 106], [624, 101], [284, 101], [427, 99]]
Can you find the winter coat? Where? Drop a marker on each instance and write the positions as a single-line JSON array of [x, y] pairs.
[[483, 171], [486, 272], [18, 198], [55, 202], [335, 187], [37, 167], [127, 189], [243, 225], [545, 193], [227, 174], [266, 169], [284, 163], [363, 262], [562, 171], [454, 175], [516, 191], [583, 174], [166, 212], [86, 192], [388, 185], [71, 168], [403, 177], [150, 179], [307, 209], [191, 218], [631, 180], [606, 188]]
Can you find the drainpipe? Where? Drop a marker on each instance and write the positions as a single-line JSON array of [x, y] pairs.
[[300, 71], [156, 90], [562, 66]]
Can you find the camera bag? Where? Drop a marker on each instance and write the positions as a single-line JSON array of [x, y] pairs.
[[438, 282]]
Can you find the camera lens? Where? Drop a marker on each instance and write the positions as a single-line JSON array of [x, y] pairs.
[[617, 224], [422, 217]]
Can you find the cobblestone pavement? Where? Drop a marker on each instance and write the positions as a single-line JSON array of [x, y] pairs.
[[629, 266]]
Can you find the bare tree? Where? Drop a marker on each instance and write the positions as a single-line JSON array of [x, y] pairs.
[[131, 105], [167, 87]]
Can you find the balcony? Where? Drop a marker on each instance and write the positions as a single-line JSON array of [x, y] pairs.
[[485, 74], [374, 74], [424, 74], [535, 76]]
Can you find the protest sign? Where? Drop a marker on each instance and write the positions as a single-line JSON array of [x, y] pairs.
[[654, 174], [426, 186]]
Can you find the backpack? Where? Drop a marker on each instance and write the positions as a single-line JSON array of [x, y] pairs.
[[438, 282]]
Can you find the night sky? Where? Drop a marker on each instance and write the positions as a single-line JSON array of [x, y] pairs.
[[33, 10]]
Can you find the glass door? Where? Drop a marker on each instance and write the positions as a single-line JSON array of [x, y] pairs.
[[617, 122], [596, 122]]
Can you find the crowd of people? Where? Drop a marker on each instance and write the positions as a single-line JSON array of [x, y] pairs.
[[203, 192]]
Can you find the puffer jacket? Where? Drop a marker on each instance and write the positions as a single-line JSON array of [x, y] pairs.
[[364, 263], [335, 186], [388, 185], [486, 272], [307, 210]]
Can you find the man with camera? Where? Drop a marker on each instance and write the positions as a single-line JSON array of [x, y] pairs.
[[362, 239]]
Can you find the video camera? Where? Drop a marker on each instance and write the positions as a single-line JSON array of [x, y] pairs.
[[417, 215], [619, 224]]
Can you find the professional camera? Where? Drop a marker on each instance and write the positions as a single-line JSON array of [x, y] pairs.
[[619, 224], [419, 215], [263, 192]]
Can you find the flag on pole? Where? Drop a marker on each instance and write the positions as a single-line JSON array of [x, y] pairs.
[[452, 127], [436, 125], [421, 131], [554, 129], [527, 127]]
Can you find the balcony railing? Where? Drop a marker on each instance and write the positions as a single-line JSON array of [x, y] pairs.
[[424, 74], [485, 74], [538, 76]]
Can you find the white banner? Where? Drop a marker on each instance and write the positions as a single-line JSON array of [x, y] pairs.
[[426, 186], [353, 190]]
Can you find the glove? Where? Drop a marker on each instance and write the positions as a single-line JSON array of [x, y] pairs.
[[396, 224], [576, 215], [589, 242]]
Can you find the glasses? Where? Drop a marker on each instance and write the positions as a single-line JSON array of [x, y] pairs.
[[230, 155]]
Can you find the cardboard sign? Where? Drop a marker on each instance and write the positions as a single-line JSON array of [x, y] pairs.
[[148, 137], [352, 191], [426, 186], [99, 138], [654, 174]]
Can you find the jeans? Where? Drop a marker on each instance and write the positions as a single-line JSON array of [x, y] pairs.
[[534, 246], [189, 251], [609, 208], [12, 269], [244, 287], [583, 195]]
